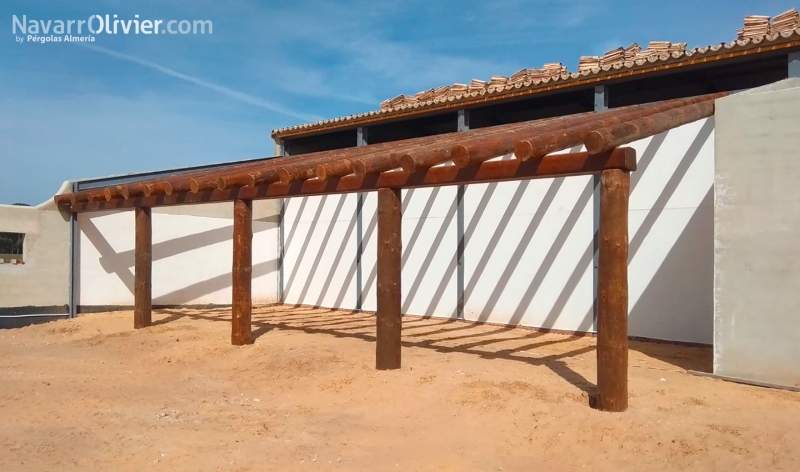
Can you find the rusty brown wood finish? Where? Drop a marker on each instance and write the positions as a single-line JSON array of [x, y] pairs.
[[558, 165], [603, 139], [612, 292], [557, 140], [530, 139], [248, 179], [338, 168], [423, 157], [242, 273], [390, 244], [143, 269]]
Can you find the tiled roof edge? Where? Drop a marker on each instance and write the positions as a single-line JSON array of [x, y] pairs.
[[609, 71]]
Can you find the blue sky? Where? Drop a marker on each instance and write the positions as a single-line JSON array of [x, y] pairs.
[[135, 103]]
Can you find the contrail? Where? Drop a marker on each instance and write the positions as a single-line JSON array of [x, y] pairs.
[[242, 97]]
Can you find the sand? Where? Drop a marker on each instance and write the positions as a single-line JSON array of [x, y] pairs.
[[93, 394]]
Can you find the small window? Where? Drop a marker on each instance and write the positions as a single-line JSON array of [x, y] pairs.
[[11, 248]]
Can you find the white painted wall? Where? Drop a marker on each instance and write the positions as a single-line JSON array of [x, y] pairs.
[[192, 257], [428, 282], [43, 280], [320, 251], [528, 260], [529, 253]]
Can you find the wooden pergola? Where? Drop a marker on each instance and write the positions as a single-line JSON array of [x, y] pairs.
[[423, 162]]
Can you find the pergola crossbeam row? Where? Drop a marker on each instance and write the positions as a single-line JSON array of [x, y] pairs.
[[391, 167]]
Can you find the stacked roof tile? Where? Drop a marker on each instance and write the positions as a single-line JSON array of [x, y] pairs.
[[756, 26], [783, 28], [786, 21]]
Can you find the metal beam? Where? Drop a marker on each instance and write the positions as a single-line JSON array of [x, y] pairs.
[[794, 65], [463, 125], [601, 96], [280, 148], [361, 140], [74, 237]]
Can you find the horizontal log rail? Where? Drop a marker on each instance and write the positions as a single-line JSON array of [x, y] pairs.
[[557, 165], [527, 140], [543, 144], [601, 140]]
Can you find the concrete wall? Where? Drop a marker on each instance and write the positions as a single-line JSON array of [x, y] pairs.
[[757, 229], [529, 247], [41, 284], [192, 255]]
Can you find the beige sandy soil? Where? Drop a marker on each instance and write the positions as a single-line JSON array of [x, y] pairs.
[[93, 394]]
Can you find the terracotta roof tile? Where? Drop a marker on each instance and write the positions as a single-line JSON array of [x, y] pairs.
[[629, 59]]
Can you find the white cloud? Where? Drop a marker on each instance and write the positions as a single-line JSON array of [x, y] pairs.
[[241, 96]]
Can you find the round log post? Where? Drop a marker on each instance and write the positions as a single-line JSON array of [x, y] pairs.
[[143, 269], [242, 273], [612, 292], [388, 318]]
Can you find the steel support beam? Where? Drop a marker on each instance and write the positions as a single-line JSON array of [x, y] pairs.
[[74, 238], [600, 105], [463, 125], [361, 140], [794, 65], [280, 150]]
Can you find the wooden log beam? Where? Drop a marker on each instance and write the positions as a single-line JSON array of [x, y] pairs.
[[612, 292], [530, 140], [338, 168], [265, 175], [143, 269], [242, 273], [388, 318], [470, 153], [603, 139], [545, 143], [423, 157], [558, 165]]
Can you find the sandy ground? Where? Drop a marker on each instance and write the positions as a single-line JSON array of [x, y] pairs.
[[93, 394]]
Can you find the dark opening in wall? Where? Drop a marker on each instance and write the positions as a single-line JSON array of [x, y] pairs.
[[320, 142], [737, 75], [11, 247], [534, 108], [413, 128]]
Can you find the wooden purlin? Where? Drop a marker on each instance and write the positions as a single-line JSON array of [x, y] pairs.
[[556, 165], [526, 140], [265, 172], [543, 144], [606, 138]]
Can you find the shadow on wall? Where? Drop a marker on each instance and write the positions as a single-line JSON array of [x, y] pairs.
[[673, 301], [121, 263], [323, 248]]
